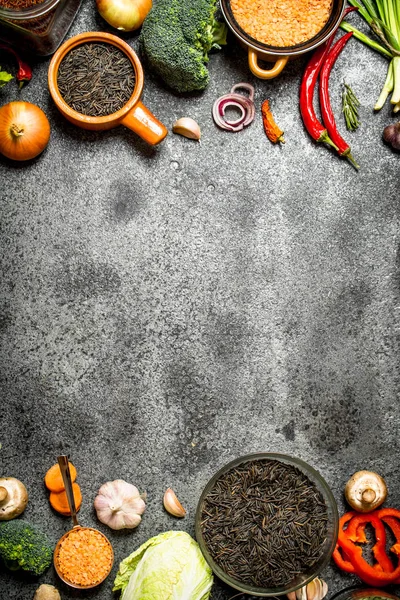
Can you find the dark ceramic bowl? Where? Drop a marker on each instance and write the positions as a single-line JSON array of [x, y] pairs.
[[329, 543], [279, 55]]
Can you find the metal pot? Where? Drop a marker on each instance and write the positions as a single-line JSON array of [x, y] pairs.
[[279, 55]]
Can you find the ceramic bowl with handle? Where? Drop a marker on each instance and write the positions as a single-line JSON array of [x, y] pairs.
[[258, 51], [133, 114]]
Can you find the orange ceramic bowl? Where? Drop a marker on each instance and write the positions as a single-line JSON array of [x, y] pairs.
[[133, 114]]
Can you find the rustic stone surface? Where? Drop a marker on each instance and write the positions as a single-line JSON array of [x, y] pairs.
[[166, 310]]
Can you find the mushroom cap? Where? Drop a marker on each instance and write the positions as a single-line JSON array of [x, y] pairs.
[[13, 498], [365, 491], [47, 592]]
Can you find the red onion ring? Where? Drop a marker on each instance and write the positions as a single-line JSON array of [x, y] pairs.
[[244, 86], [244, 103]]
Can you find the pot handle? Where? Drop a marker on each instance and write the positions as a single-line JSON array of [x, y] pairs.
[[145, 124], [266, 73]]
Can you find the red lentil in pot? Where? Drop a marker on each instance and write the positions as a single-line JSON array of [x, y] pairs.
[[281, 23]]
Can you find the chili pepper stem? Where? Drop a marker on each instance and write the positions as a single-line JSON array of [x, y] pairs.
[[347, 154], [324, 138]]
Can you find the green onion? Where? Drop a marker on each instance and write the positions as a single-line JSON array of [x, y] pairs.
[[365, 39], [383, 18], [387, 88]]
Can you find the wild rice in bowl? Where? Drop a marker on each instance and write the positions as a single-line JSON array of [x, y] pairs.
[[281, 22]]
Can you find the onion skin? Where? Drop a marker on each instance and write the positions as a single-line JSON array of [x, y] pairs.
[[24, 130], [125, 15]]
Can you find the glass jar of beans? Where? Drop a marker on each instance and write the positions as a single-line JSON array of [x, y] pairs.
[[37, 26]]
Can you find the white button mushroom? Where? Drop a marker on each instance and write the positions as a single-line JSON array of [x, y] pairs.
[[365, 491], [47, 592], [13, 498]]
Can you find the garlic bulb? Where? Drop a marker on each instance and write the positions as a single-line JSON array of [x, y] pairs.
[[119, 505], [315, 590]]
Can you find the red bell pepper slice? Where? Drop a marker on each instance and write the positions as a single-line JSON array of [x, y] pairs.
[[338, 555], [367, 573], [379, 548]]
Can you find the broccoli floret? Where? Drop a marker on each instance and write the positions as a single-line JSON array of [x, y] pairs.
[[177, 36], [24, 546]]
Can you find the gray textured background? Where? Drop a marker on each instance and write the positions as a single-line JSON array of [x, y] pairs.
[[166, 310]]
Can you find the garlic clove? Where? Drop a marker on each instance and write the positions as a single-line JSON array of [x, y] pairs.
[[315, 590], [188, 128], [172, 504], [301, 593]]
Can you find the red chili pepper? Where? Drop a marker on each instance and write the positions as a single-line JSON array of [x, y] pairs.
[[316, 130], [325, 102], [348, 10], [24, 71], [314, 127]]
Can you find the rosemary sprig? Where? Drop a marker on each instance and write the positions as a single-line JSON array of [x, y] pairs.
[[350, 104]]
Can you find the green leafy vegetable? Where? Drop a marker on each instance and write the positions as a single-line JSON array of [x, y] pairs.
[[383, 18], [4, 78], [176, 38], [167, 566]]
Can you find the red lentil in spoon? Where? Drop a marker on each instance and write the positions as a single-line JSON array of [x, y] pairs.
[[84, 557]]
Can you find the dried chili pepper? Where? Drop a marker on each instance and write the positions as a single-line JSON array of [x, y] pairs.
[[273, 132], [325, 103], [24, 74]]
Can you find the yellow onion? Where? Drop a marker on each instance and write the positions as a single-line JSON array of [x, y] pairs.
[[125, 15], [24, 130]]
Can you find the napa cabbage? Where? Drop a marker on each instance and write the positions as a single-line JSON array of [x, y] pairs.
[[169, 566]]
